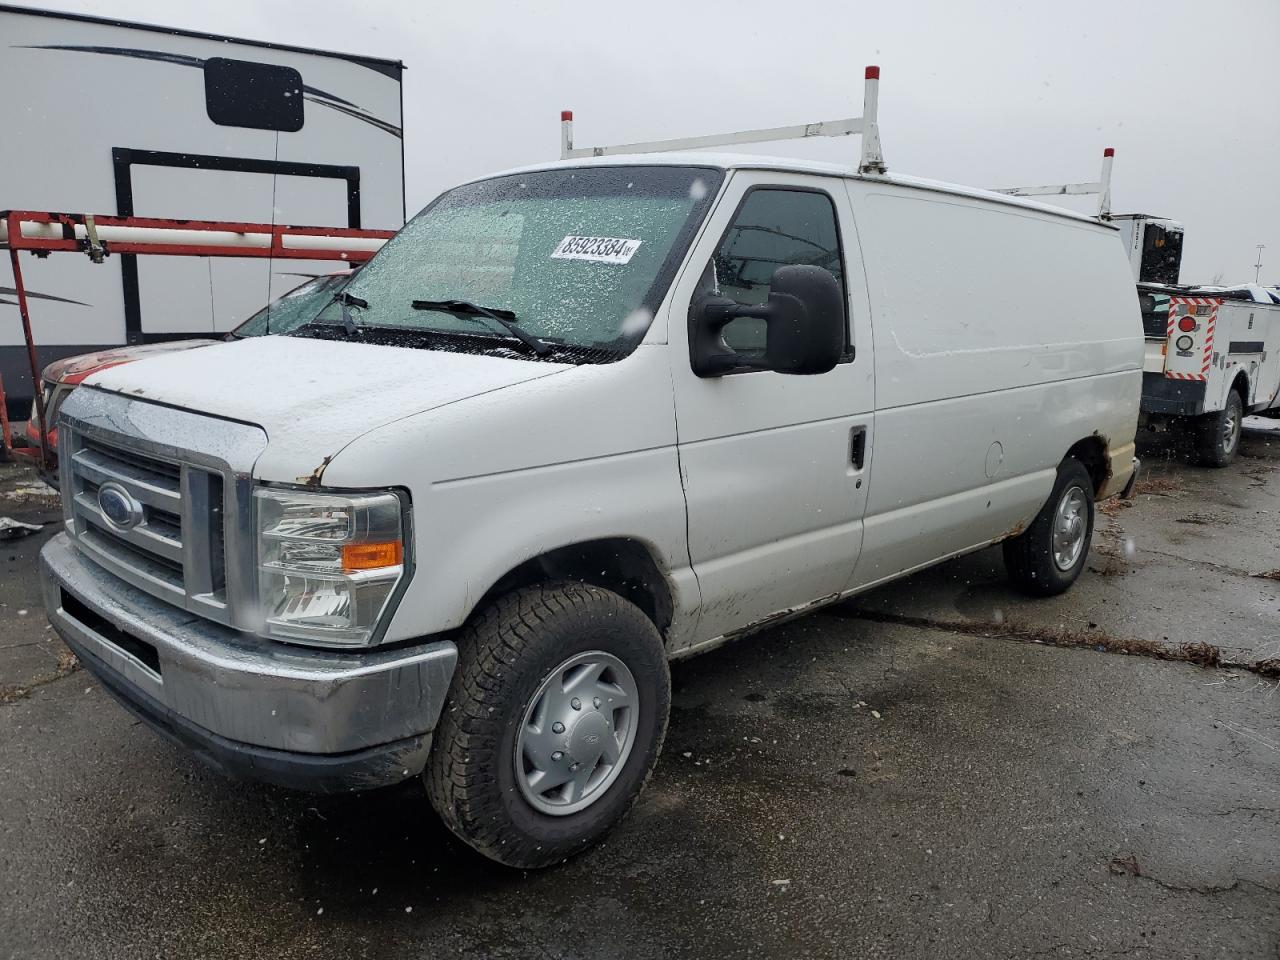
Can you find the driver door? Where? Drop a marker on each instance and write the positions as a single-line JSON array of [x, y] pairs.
[[774, 465]]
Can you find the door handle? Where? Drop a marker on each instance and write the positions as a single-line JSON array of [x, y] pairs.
[[857, 447]]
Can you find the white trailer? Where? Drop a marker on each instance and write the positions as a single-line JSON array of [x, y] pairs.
[[144, 121]]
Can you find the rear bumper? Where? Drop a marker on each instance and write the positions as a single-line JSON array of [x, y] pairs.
[[1127, 492], [306, 719], [1121, 468], [1177, 398]]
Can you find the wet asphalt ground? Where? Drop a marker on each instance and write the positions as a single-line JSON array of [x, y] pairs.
[[922, 772]]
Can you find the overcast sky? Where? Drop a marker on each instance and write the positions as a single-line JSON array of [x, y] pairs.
[[988, 94]]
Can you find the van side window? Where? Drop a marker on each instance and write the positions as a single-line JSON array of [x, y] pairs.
[[774, 227]]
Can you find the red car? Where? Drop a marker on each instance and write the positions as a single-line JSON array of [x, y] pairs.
[[288, 312]]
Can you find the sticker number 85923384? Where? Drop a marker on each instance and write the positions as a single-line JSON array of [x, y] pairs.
[[599, 249]]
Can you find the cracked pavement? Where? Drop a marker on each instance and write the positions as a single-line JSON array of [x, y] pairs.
[[922, 790]]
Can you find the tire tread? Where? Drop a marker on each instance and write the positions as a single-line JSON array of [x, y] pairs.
[[470, 728]]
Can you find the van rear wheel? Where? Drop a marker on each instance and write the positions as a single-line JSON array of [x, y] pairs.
[[555, 720], [1047, 557]]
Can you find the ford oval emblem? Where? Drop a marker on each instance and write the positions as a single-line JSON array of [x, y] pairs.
[[119, 507]]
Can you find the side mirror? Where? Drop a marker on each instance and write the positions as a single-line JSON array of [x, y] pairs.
[[805, 326]]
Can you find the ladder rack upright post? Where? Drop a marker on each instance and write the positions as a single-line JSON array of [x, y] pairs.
[[870, 162], [1101, 186]]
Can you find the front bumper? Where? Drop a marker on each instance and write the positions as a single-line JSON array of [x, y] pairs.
[[307, 719]]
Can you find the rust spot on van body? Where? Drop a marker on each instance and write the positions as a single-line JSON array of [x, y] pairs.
[[313, 478]]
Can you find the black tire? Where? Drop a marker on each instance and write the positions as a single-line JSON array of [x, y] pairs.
[[505, 653], [1029, 557], [1217, 435]]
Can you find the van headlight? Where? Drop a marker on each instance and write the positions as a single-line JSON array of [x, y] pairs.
[[328, 564]]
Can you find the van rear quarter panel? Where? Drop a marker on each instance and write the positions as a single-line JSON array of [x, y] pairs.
[[1003, 335]]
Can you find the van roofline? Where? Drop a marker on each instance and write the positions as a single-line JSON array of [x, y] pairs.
[[744, 161]]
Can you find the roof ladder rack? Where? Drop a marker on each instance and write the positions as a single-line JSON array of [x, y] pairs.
[[872, 160], [1101, 186]]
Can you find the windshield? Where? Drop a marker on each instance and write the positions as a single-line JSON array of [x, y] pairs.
[[580, 256], [295, 308]]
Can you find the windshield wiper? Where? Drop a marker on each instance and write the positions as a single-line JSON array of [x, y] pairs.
[[349, 300], [465, 308]]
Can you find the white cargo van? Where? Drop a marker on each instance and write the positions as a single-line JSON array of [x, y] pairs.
[[570, 423]]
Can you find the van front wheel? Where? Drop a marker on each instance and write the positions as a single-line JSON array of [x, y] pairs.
[[1048, 556], [554, 722]]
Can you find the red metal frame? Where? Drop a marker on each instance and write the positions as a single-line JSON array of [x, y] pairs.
[[69, 242], [6, 438]]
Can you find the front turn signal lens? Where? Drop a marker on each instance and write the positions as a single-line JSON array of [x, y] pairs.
[[371, 556]]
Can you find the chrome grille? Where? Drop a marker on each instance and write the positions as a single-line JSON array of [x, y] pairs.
[[190, 475], [175, 549]]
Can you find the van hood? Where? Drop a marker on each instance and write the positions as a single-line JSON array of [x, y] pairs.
[[313, 397]]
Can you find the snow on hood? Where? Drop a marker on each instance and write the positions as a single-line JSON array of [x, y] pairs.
[[313, 397]]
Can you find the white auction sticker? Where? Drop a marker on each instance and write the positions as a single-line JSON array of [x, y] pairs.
[[599, 249]]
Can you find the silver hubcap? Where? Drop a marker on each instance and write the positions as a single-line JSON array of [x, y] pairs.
[[577, 732], [1070, 524], [1230, 430]]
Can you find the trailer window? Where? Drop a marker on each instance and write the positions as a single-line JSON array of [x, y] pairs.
[[261, 96]]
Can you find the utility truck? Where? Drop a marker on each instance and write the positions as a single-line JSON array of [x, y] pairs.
[[1212, 354], [1212, 358], [572, 422]]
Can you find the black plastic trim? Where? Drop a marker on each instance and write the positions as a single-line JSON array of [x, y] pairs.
[[139, 649], [1179, 398], [1246, 346], [123, 160]]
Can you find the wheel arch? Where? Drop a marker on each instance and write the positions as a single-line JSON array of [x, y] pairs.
[[625, 565], [1240, 384], [1093, 451]]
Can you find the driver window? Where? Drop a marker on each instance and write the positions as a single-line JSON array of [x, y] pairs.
[[773, 228]]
